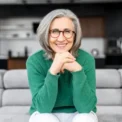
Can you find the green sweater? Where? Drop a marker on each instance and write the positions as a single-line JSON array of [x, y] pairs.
[[67, 92]]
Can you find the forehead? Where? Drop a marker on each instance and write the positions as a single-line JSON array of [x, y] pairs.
[[62, 23]]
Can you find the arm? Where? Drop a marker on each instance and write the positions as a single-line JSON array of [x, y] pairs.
[[44, 89], [84, 87]]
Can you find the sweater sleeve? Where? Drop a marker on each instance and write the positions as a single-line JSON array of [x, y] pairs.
[[84, 87], [43, 88]]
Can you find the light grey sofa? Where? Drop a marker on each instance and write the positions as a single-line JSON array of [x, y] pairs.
[[15, 97]]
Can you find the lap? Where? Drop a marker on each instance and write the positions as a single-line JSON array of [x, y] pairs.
[[43, 117], [63, 117], [85, 117]]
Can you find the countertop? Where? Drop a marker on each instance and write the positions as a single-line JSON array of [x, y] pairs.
[[14, 57], [3, 57]]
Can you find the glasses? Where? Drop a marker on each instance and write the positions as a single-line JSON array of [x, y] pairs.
[[66, 33]]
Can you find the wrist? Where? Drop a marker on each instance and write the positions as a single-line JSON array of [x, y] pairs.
[[53, 72], [77, 69]]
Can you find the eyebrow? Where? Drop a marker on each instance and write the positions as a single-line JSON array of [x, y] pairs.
[[63, 29]]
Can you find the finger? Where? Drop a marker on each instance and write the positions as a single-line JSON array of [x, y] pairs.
[[68, 60], [71, 56], [68, 55], [62, 69]]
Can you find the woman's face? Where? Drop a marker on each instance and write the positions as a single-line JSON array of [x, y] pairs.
[[61, 41]]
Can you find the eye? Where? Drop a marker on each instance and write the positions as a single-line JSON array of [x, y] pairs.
[[55, 31], [67, 31]]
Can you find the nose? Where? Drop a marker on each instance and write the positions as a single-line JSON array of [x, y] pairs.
[[61, 37]]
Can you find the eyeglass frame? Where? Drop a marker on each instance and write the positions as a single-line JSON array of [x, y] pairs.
[[63, 33]]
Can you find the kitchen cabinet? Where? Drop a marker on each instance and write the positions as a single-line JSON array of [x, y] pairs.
[[100, 63], [113, 60], [36, 1], [60, 1], [11, 1], [92, 26], [3, 64], [95, 1], [17, 63], [46, 1], [114, 23]]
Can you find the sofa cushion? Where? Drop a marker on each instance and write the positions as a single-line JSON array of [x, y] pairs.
[[120, 71], [16, 79], [109, 110], [16, 97], [109, 97], [14, 118], [108, 78], [109, 118], [1, 77], [14, 114], [14, 110], [1, 91], [109, 113], [1, 82]]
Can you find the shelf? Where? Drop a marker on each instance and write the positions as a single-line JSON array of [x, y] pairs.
[[114, 54], [17, 58], [6, 39], [113, 66]]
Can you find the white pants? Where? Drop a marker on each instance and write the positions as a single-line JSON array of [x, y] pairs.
[[63, 117]]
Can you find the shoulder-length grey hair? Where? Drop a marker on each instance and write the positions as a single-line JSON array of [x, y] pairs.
[[43, 31]]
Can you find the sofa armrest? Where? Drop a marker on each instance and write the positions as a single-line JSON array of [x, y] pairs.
[[2, 72]]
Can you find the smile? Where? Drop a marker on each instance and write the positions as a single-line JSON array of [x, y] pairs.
[[61, 45]]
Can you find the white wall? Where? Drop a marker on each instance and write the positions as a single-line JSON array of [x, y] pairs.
[[89, 43], [18, 46]]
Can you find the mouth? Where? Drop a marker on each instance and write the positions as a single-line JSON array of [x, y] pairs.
[[61, 45]]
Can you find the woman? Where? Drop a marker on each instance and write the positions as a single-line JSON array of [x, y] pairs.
[[61, 76]]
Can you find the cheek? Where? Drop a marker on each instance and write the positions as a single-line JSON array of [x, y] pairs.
[[51, 40], [71, 41]]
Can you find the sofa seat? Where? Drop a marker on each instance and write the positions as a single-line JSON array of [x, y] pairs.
[[14, 114], [14, 118], [14, 110], [109, 113], [20, 114], [15, 96]]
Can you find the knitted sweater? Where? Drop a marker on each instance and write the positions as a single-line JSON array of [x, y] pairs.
[[65, 92]]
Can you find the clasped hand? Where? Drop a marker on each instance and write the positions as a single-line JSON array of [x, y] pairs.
[[63, 61]]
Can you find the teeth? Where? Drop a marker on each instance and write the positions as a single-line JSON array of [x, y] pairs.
[[61, 44]]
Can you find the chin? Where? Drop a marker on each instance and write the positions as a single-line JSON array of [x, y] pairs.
[[60, 51]]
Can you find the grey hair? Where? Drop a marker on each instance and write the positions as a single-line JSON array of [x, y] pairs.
[[43, 30]]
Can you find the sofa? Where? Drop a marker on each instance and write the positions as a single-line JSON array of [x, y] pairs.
[[15, 96]]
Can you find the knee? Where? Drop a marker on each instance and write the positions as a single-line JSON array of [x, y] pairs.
[[44, 117], [82, 118]]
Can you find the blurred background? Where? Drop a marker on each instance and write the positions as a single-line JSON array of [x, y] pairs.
[[101, 22]]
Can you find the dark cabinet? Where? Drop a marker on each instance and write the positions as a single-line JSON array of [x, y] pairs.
[[113, 23], [92, 26], [16, 63], [113, 61], [95, 1], [11, 2], [3, 64]]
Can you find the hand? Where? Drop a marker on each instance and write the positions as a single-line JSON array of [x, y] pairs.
[[59, 60], [72, 67]]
